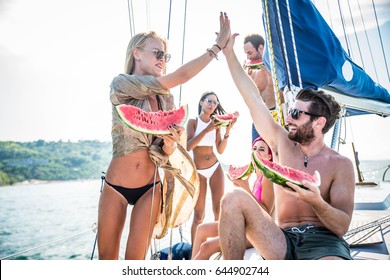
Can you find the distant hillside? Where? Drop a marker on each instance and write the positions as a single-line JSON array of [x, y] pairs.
[[40, 160]]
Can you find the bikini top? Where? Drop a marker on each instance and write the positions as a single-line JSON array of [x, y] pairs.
[[209, 138], [257, 188]]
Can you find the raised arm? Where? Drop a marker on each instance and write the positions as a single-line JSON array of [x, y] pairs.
[[261, 116], [193, 67]]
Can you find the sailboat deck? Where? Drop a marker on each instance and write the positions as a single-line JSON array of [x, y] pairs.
[[371, 223]]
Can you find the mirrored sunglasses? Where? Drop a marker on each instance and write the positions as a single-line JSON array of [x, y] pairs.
[[209, 101]]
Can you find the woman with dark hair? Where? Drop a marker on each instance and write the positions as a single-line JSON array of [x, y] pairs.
[[206, 241], [202, 134]]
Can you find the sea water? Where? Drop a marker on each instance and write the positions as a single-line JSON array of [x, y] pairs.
[[33, 215], [55, 220]]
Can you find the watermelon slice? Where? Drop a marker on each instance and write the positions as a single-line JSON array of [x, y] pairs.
[[240, 172], [151, 122], [255, 64], [281, 174], [224, 120]]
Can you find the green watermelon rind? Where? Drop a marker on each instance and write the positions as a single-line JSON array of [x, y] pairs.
[[149, 131], [281, 179], [255, 66], [223, 122], [246, 173]]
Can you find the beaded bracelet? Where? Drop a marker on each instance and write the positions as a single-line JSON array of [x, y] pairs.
[[212, 53]]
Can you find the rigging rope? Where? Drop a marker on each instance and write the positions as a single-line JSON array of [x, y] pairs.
[[184, 36], [169, 19], [345, 33], [273, 67], [50, 243], [355, 33], [368, 41], [147, 15], [293, 42], [380, 37], [329, 12], [150, 229], [131, 17], [284, 48]]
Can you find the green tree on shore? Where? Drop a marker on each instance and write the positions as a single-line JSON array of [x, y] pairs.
[[41, 160]]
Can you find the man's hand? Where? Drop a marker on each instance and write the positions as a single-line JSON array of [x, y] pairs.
[[310, 194]]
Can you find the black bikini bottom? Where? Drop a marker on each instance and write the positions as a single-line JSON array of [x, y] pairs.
[[131, 195]]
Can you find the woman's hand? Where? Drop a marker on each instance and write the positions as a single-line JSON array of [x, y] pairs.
[[170, 140], [211, 126], [224, 30], [229, 127], [242, 183]]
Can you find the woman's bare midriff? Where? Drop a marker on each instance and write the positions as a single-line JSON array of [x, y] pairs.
[[132, 171], [204, 157]]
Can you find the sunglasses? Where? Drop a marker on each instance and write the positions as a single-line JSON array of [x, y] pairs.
[[209, 101], [159, 54], [296, 112]]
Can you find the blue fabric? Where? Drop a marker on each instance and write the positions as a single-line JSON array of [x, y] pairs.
[[255, 134], [320, 53], [180, 251]]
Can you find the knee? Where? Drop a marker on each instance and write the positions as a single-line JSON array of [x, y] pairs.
[[198, 216], [207, 248], [201, 229], [233, 199]]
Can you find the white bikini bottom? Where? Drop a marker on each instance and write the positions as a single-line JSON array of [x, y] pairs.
[[207, 173]]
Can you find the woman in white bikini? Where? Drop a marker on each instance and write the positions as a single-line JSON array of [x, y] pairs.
[[202, 134], [206, 241]]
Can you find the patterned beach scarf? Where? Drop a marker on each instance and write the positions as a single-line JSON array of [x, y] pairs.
[[181, 181]]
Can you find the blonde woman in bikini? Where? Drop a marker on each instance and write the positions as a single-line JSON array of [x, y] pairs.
[[202, 135], [132, 177]]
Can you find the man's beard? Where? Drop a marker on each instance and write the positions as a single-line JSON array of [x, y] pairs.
[[304, 134]]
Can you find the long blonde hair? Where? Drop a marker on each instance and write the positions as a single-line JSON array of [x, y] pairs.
[[137, 41]]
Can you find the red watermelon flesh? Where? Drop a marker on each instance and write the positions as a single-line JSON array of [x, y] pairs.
[[281, 174], [151, 122], [224, 120], [255, 64], [240, 172]]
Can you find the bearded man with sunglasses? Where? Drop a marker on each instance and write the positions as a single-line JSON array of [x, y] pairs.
[[311, 221]]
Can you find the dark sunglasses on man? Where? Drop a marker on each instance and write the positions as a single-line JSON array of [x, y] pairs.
[[159, 54], [296, 112]]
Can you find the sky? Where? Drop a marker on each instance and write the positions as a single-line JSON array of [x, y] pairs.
[[58, 58]]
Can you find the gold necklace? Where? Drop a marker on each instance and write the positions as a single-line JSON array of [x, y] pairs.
[[306, 158]]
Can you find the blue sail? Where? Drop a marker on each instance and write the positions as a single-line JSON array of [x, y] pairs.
[[322, 60]]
